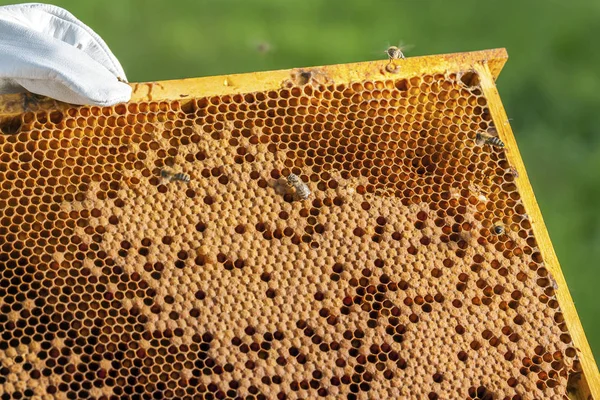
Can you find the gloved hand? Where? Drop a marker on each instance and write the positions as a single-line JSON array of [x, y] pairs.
[[46, 50]]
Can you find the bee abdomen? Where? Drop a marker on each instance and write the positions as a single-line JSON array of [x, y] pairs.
[[181, 177], [303, 191], [483, 138], [494, 141]]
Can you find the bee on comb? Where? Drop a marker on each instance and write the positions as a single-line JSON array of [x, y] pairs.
[[483, 138], [498, 229], [395, 53], [302, 190], [172, 176]]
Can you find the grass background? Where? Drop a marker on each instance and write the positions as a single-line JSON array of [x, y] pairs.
[[550, 86]]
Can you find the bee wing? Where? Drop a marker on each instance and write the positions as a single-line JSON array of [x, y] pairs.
[[379, 52], [492, 130], [405, 47]]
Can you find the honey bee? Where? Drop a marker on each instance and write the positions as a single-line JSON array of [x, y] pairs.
[[263, 47], [302, 190], [180, 176], [483, 138], [395, 53], [498, 229]]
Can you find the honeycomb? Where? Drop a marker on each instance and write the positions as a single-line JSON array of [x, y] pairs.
[[411, 271]]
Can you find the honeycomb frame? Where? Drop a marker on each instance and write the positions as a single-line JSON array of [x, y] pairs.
[[27, 119]]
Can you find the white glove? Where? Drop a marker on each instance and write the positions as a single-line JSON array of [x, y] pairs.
[[46, 50]]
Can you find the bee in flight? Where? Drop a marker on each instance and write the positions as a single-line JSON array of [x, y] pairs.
[[180, 176], [263, 47], [483, 138], [395, 53], [302, 190]]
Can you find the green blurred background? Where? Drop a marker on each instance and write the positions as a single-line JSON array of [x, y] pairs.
[[550, 86]]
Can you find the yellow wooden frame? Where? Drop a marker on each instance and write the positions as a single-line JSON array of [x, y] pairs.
[[487, 64], [589, 386]]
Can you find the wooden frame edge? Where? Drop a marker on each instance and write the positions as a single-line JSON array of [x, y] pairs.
[[186, 89], [584, 351]]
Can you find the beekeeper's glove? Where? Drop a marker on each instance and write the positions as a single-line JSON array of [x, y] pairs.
[[46, 50]]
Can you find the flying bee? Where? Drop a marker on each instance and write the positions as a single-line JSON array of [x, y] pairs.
[[395, 53], [180, 176], [263, 47], [302, 190], [260, 46], [483, 138], [498, 229]]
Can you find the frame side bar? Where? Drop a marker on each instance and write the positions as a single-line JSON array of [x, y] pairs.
[[584, 352]]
